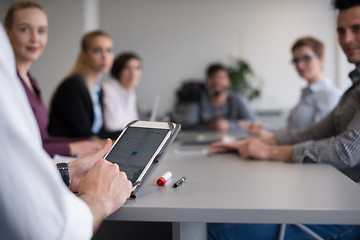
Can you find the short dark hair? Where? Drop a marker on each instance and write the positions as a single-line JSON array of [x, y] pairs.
[[120, 63], [213, 68], [316, 45], [345, 4]]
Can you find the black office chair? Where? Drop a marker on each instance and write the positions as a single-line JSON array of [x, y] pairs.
[[190, 91]]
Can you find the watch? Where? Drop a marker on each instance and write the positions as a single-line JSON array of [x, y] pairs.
[[64, 171]]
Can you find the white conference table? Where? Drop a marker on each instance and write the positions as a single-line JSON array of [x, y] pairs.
[[226, 188]]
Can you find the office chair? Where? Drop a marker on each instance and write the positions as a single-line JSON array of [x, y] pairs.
[[302, 227]]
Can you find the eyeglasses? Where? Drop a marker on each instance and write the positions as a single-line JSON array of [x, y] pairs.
[[305, 59]]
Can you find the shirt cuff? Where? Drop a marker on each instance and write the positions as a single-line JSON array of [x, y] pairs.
[[79, 222], [299, 153], [286, 137]]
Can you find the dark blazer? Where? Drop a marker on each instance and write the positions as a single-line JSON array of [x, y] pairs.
[[71, 109]]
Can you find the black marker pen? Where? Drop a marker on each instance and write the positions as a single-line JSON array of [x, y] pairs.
[[179, 182]]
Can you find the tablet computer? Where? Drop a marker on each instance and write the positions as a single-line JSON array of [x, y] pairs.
[[140, 147]]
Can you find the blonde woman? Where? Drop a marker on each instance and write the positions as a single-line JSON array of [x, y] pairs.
[[27, 28], [76, 107]]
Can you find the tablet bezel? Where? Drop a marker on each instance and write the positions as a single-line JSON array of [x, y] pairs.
[[153, 125]]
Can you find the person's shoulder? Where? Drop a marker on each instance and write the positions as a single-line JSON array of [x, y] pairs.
[[355, 90], [109, 85], [326, 97], [74, 81], [330, 89], [112, 89], [236, 95], [71, 85]]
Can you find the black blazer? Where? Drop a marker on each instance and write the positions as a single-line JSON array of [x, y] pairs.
[[71, 109]]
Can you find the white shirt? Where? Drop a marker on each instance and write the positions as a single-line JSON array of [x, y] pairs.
[[34, 201], [119, 106]]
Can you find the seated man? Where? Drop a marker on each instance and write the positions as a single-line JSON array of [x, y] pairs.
[[334, 140], [217, 108]]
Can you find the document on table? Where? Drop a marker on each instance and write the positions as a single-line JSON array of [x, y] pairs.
[[191, 151]]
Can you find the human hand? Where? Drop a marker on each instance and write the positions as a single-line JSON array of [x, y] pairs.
[[79, 167], [254, 148], [251, 128], [257, 149], [105, 189], [223, 147], [244, 123], [250, 148], [255, 129], [219, 124], [85, 147]]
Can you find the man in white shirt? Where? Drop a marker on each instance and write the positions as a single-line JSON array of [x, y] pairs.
[[34, 201]]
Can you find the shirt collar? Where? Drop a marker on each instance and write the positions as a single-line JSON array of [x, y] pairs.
[[123, 90], [32, 81], [355, 75], [96, 87], [317, 86]]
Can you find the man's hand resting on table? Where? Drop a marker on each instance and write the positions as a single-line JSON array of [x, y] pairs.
[[253, 148]]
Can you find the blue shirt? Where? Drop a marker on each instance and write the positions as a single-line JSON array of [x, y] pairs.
[[98, 120], [202, 112], [316, 101]]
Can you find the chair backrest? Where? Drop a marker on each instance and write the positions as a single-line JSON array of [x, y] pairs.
[[190, 91]]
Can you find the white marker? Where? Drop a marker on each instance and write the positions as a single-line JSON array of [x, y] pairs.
[[162, 180]]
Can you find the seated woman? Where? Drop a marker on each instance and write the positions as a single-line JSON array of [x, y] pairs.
[[318, 98], [218, 108], [119, 92], [76, 107], [27, 27]]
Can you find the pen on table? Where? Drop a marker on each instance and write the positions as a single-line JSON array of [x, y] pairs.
[[179, 182]]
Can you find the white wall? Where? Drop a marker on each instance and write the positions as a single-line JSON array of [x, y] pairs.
[[65, 30], [178, 39]]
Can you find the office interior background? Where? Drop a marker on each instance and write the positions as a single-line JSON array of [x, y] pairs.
[[178, 39]]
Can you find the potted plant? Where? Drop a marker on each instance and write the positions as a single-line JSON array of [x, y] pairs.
[[243, 80]]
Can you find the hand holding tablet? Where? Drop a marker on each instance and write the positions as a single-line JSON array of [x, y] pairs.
[[140, 146]]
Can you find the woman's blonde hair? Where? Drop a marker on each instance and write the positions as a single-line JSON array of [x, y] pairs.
[[9, 17], [86, 41]]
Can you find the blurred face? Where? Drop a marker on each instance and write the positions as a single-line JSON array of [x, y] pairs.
[[348, 29], [99, 57], [131, 74], [28, 34], [307, 63], [218, 82]]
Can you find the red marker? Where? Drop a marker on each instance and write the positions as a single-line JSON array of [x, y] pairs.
[[162, 180]]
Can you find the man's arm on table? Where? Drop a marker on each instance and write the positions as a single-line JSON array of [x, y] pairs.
[[254, 148]]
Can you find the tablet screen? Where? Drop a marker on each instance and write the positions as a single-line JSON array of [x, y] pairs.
[[135, 148]]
